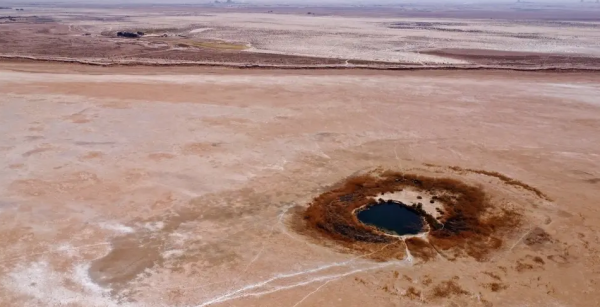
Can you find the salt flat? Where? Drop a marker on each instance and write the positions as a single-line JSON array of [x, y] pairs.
[[148, 186]]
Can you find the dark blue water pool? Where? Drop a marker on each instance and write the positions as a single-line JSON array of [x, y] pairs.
[[393, 218]]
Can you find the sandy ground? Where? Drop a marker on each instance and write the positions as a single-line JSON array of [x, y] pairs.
[[173, 186]]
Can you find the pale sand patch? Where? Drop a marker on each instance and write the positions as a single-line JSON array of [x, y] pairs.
[[48, 287], [411, 196], [116, 227], [200, 30]]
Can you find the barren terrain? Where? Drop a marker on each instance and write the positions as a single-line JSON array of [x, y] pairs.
[[520, 36], [141, 168], [149, 186]]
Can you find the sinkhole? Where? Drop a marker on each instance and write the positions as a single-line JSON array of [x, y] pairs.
[[392, 217], [462, 221]]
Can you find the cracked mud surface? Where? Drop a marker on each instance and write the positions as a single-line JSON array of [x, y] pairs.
[[180, 186]]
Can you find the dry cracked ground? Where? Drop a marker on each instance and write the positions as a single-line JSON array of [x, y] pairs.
[[175, 186]]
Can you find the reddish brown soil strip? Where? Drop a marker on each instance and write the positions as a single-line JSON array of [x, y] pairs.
[[448, 289], [516, 59], [355, 65], [505, 179]]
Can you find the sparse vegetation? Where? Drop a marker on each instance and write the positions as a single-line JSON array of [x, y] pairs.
[[448, 289], [496, 286], [427, 280], [539, 260], [537, 237], [522, 266], [412, 293], [492, 275]]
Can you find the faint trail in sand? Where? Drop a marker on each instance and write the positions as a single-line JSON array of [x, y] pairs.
[[242, 292], [279, 222], [316, 279], [284, 231], [311, 293], [521, 238], [262, 248]]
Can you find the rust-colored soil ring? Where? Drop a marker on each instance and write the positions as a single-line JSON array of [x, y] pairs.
[[469, 224]]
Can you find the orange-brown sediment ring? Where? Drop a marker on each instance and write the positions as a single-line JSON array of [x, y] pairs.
[[469, 224]]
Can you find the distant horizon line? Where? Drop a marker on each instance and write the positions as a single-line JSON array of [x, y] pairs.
[[292, 2]]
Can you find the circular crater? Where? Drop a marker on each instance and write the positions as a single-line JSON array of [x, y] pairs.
[[388, 214]]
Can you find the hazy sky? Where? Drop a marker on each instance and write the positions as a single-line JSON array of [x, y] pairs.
[[347, 2], [14, 3]]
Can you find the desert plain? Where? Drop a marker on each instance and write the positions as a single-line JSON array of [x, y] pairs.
[[173, 169]]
